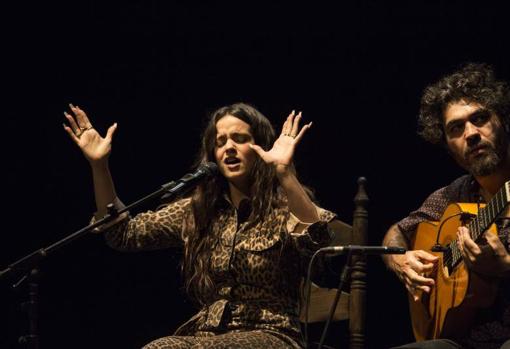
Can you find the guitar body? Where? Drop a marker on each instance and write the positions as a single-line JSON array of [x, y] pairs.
[[450, 308]]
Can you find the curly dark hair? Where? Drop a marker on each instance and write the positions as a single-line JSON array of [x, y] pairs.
[[473, 82]]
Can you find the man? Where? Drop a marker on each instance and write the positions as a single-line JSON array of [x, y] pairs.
[[468, 112]]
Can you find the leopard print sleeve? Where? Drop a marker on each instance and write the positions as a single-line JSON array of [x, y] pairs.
[[151, 230], [310, 237]]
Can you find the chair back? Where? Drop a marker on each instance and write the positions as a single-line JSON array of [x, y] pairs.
[[352, 304]]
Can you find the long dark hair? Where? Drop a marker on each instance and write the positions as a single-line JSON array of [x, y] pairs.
[[208, 196]]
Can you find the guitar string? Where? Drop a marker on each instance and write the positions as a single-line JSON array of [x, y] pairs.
[[482, 220]]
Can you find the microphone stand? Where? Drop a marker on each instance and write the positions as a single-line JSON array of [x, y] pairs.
[[346, 272], [28, 265]]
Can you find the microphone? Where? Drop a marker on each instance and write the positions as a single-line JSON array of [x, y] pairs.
[[357, 249], [189, 181]]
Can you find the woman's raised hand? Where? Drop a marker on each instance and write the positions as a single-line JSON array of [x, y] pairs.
[[282, 152], [95, 148]]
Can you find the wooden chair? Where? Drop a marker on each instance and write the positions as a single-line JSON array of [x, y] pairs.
[[352, 304]]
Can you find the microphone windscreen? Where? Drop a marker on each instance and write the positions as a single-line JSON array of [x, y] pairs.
[[210, 167]]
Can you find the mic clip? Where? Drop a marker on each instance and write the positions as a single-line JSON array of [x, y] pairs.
[[439, 248]]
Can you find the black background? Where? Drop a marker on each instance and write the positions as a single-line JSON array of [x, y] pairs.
[[355, 68]]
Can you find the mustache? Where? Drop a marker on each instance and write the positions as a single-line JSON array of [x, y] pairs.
[[482, 144]]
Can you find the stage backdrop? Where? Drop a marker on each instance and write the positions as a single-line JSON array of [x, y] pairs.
[[356, 69]]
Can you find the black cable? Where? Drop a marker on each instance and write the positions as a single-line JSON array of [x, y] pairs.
[[345, 275], [308, 288], [441, 227]]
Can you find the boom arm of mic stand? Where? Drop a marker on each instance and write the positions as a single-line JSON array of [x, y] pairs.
[[28, 264], [31, 260]]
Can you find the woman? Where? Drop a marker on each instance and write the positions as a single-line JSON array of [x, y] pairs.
[[246, 234]]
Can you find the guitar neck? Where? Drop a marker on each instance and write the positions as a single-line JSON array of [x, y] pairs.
[[486, 216]]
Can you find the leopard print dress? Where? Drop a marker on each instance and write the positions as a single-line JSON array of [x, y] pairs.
[[256, 264]]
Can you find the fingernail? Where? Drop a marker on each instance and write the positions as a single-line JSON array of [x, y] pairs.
[[71, 105]]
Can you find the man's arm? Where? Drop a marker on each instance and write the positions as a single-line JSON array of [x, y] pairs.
[[411, 267], [394, 237]]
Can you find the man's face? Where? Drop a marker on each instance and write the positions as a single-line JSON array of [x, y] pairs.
[[475, 137]]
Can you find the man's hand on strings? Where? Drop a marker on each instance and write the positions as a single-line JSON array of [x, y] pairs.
[[414, 269], [491, 259]]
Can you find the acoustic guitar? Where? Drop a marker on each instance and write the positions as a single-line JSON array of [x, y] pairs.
[[450, 308]]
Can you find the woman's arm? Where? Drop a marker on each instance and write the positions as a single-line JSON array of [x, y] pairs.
[[281, 155], [96, 150]]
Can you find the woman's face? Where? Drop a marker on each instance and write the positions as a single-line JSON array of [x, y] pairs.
[[232, 151]]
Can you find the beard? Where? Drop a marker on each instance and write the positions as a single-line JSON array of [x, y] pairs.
[[491, 159]]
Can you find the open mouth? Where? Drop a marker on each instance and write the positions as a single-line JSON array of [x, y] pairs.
[[231, 161]]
